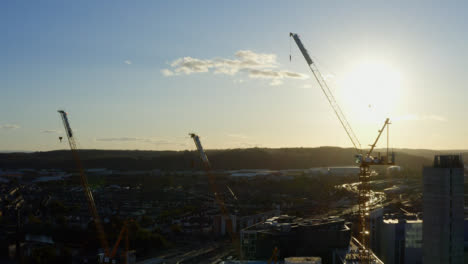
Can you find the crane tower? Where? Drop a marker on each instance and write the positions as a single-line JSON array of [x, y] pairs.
[[211, 179], [364, 161], [84, 183]]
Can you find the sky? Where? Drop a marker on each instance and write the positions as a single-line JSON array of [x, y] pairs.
[[142, 75]]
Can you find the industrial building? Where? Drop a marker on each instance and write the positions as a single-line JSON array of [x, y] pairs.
[[443, 210], [292, 236]]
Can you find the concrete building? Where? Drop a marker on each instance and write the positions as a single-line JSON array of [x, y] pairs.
[[294, 236], [443, 210]]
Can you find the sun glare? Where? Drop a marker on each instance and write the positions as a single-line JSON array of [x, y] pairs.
[[370, 90]]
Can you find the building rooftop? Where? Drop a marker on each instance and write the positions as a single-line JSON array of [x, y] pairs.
[[286, 223], [302, 260], [448, 161]]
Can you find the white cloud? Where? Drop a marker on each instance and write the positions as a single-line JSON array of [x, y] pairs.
[[273, 74], [251, 58], [128, 62], [255, 65], [51, 131], [167, 72], [417, 117], [9, 126], [188, 65]]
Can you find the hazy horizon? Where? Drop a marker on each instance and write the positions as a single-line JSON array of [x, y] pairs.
[[208, 149]]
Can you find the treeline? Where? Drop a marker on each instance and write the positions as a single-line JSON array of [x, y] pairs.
[[251, 158]]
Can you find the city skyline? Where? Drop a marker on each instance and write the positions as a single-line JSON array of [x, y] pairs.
[[144, 76]]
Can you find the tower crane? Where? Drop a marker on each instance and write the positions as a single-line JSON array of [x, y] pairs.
[[84, 183], [364, 161], [211, 178]]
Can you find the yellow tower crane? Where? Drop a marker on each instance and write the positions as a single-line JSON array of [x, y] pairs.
[[364, 161]]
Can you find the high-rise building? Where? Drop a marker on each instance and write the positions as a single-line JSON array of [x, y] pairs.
[[413, 241], [376, 222], [401, 240], [443, 211]]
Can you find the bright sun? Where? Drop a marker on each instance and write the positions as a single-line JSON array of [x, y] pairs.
[[370, 90]]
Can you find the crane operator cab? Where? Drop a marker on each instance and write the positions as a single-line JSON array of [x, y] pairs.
[[358, 158], [379, 160]]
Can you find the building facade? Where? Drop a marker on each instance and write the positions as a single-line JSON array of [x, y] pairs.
[[401, 240], [376, 222], [443, 210]]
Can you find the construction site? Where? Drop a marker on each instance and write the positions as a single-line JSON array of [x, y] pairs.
[[183, 132], [240, 230]]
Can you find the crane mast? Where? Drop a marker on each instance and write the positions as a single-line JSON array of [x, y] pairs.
[[84, 183], [211, 179], [364, 192]]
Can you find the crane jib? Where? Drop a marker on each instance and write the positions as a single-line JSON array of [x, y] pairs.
[[302, 48], [328, 94]]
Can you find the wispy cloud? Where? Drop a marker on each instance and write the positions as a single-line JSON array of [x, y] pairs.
[[121, 139], [137, 139], [51, 131], [436, 118], [239, 136], [276, 82], [167, 72], [416, 117], [9, 126], [255, 65], [128, 62]]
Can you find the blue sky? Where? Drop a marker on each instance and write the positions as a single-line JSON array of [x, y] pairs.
[[102, 61]]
